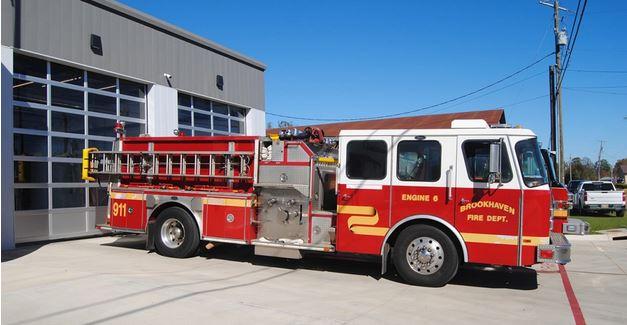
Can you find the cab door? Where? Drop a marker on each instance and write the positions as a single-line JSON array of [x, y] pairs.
[[423, 177], [487, 214], [363, 193]]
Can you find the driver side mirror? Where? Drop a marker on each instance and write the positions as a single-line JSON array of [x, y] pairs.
[[495, 162]]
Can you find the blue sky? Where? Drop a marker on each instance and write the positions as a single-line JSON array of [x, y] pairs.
[[344, 59]]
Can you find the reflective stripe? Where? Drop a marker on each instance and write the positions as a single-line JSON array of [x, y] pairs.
[[228, 202], [127, 196], [503, 239]]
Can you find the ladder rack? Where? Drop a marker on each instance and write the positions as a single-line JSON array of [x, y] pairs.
[[228, 165]]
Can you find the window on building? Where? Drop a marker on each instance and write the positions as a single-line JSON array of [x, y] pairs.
[[29, 66], [31, 199], [70, 98], [101, 82], [30, 172], [131, 88], [68, 123], [132, 108], [29, 91], [419, 161], [477, 158], [49, 115], [185, 100], [68, 197], [366, 159], [65, 74], [30, 145], [200, 116], [30, 118]]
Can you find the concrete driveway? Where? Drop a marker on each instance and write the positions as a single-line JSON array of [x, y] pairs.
[[113, 280]]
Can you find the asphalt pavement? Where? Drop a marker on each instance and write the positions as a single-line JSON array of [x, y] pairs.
[[114, 280]]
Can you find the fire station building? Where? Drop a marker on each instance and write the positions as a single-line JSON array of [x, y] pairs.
[[70, 70]]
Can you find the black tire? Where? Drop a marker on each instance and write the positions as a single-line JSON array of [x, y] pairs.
[[443, 259], [620, 213], [169, 243]]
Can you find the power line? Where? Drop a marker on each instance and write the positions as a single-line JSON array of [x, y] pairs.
[[421, 108], [572, 28], [595, 91], [491, 92], [569, 53], [598, 71], [526, 100], [596, 87]]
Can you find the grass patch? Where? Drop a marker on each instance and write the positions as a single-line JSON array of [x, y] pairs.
[[603, 221]]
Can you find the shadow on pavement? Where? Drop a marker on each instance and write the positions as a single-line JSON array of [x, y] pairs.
[[134, 241], [516, 278], [18, 252]]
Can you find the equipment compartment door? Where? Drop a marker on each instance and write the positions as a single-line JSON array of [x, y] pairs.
[[363, 194], [225, 217], [128, 213], [487, 214]]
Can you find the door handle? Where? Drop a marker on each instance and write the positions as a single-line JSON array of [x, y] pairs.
[[346, 197], [449, 186], [464, 201]]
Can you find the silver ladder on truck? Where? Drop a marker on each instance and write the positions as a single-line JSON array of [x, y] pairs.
[[201, 164]]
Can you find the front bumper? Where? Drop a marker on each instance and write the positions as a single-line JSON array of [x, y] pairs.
[[596, 207], [576, 227], [557, 251]]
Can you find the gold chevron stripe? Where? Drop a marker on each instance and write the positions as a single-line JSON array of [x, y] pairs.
[[362, 219]]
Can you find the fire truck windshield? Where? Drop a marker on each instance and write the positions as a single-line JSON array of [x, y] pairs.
[[531, 163]]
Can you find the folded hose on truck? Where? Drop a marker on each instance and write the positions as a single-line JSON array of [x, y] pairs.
[[87, 164]]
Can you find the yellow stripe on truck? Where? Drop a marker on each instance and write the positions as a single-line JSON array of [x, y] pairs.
[[127, 196], [503, 239], [239, 203]]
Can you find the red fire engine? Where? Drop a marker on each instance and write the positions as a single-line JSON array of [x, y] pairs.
[[426, 200]]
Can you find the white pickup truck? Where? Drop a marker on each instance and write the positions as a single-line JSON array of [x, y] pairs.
[[599, 197]]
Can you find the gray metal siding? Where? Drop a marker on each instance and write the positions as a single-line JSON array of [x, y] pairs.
[[62, 29]]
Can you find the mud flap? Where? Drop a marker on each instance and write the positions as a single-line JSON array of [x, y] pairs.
[[150, 240]]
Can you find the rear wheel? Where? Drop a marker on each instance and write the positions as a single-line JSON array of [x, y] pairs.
[[620, 213], [176, 233], [424, 255]]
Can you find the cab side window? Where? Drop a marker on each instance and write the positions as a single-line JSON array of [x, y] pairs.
[[366, 159], [477, 158], [419, 161]]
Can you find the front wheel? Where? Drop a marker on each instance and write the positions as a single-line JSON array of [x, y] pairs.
[[424, 255], [620, 213], [176, 233]]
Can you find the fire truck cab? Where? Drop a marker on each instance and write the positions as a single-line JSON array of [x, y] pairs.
[[426, 200]]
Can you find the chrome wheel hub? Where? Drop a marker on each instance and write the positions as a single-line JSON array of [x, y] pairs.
[[172, 233], [425, 255]]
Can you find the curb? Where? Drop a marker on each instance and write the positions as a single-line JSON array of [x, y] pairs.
[[606, 235]]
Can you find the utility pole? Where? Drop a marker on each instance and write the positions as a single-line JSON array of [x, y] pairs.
[[552, 107], [599, 162], [558, 91], [560, 40]]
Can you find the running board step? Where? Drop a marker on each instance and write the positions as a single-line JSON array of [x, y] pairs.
[[318, 248]]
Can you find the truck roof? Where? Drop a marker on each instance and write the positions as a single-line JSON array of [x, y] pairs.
[[458, 127]]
